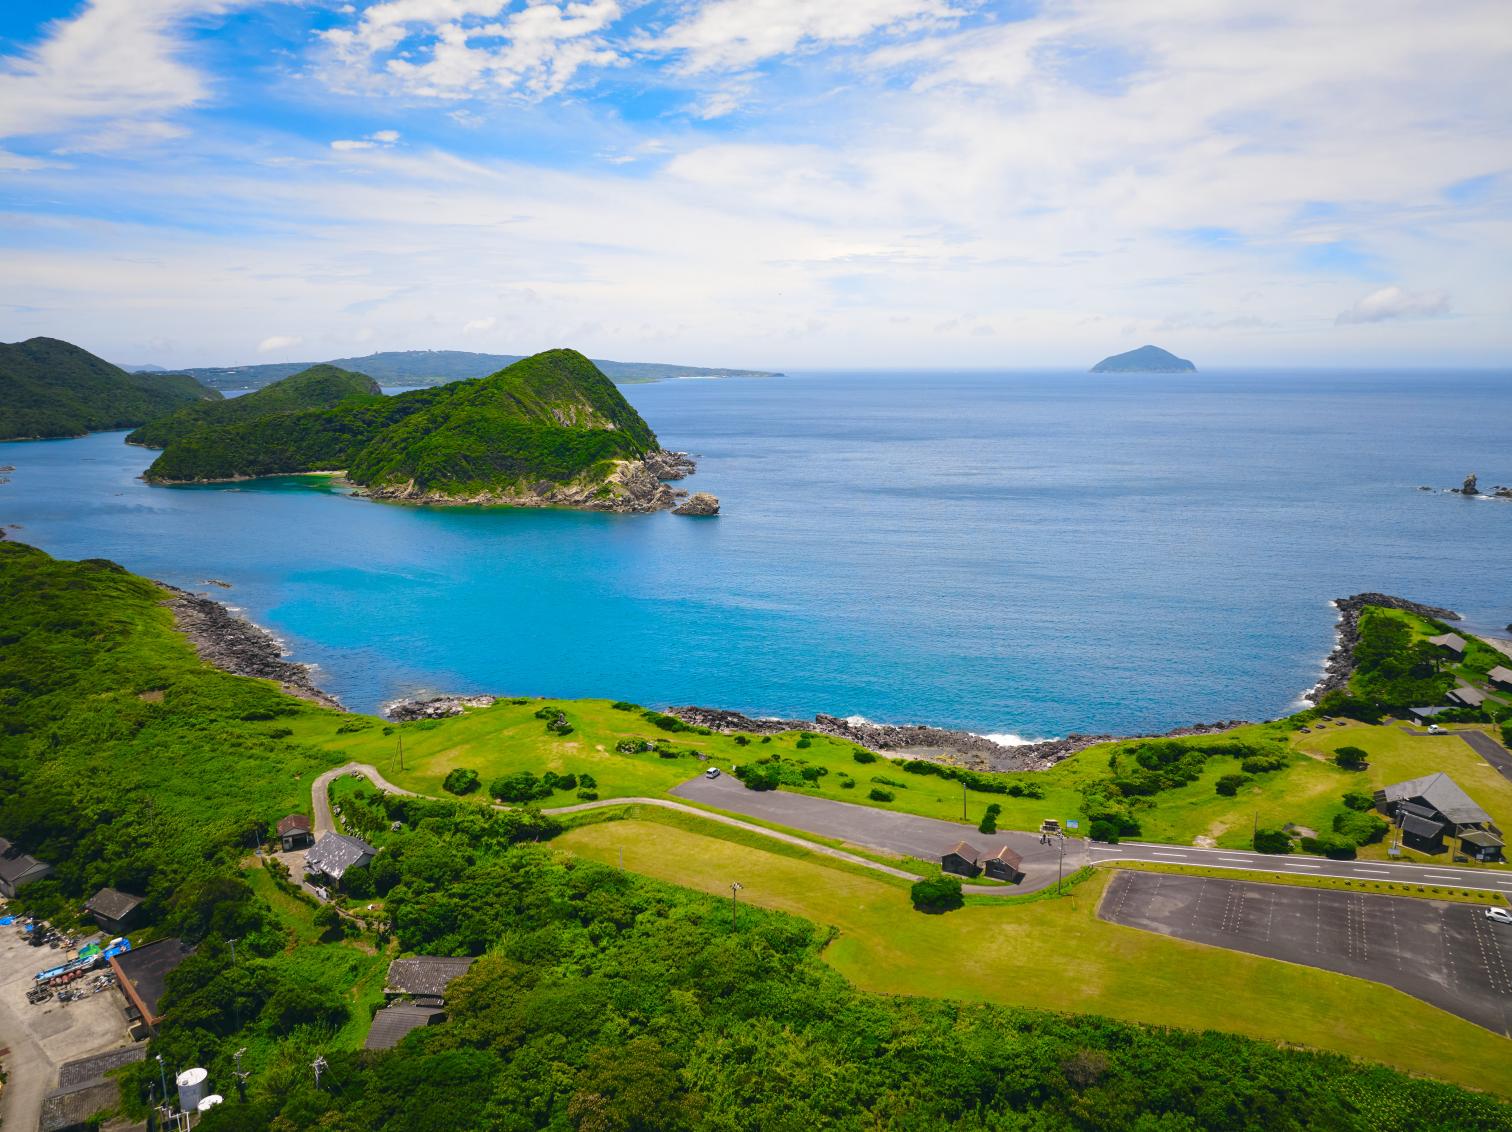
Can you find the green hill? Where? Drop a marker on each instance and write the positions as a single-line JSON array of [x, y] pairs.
[[319, 387], [548, 429], [50, 388], [1146, 359]]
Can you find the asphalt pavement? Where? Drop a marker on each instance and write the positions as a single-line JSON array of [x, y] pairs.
[[1447, 954]]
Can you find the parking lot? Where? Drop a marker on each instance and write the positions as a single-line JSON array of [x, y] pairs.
[[41, 1037], [1444, 953]]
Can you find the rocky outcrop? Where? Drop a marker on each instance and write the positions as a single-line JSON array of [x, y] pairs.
[[632, 487], [666, 465], [701, 503], [235, 645], [958, 748], [1470, 487], [436, 707], [1340, 663]]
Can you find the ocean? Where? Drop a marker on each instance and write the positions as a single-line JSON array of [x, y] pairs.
[[1020, 554]]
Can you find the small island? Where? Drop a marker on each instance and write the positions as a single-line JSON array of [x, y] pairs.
[[548, 430], [1146, 359]]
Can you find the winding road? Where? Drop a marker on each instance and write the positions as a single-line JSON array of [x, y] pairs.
[[894, 832]]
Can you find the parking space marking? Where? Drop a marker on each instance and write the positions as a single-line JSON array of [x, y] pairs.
[[1491, 957], [1447, 949]]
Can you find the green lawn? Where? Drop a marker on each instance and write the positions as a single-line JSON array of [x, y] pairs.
[[1056, 955]]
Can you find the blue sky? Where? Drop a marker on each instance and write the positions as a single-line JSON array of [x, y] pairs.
[[760, 182]]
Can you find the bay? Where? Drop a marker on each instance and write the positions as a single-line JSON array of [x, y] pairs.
[[1024, 553]]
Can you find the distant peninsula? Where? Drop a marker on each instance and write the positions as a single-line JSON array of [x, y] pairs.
[[548, 430], [52, 389], [1146, 359], [435, 367]]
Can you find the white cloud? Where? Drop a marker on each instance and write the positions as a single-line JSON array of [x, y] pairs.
[[278, 342], [478, 325], [382, 139], [117, 60], [1391, 304], [458, 48]]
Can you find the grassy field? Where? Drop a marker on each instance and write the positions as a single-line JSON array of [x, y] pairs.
[[1056, 955]]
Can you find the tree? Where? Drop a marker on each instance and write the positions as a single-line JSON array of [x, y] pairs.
[[1351, 758], [1272, 841], [1229, 784], [1102, 830], [1358, 801], [328, 919], [461, 781], [936, 894]]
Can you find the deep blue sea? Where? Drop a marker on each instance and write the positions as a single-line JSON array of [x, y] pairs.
[[1014, 553]]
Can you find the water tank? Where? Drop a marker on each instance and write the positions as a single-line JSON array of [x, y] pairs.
[[210, 1102], [191, 1088]]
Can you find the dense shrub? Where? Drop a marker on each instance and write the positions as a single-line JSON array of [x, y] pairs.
[[1103, 830], [665, 722], [1261, 764], [936, 894], [1334, 845], [625, 705], [521, 786], [877, 794], [804, 743], [759, 776], [1360, 827], [1229, 784], [1272, 841], [1351, 758], [863, 756], [1358, 801], [634, 746], [460, 781]]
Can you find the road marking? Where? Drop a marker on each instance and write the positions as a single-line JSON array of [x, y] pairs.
[[1438, 876], [1181, 855], [1300, 865], [1237, 860], [1371, 873]]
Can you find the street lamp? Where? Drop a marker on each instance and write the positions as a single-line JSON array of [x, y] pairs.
[[735, 887]]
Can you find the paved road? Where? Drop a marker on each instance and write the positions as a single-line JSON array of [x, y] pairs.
[[1490, 750], [1446, 954], [929, 837]]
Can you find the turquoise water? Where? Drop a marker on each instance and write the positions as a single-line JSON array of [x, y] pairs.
[[1026, 553]]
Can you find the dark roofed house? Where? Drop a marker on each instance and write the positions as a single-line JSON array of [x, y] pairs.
[[84, 1090], [962, 860], [1451, 642], [294, 832], [336, 854], [417, 992], [113, 909], [1005, 864], [1433, 806], [425, 976], [1468, 696], [143, 974], [1501, 676], [1426, 713], [19, 869]]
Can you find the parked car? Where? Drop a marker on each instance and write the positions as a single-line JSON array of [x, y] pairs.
[[1435, 729], [712, 772], [1499, 915]]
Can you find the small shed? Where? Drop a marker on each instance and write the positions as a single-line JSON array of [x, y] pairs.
[[1481, 844], [294, 832], [394, 1021], [1423, 834], [20, 869], [113, 909], [1501, 676], [1005, 864], [1424, 714], [961, 860], [1449, 642], [1468, 696]]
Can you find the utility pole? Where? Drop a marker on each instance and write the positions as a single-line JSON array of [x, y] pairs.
[[241, 1076], [232, 944], [963, 801], [319, 1065], [1060, 865], [401, 752], [735, 887]]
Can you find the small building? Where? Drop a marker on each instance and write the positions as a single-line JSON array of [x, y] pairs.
[[113, 909], [1432, 808], [84, 1090], [336, 854], [294, 832], [1501, 676], [1467, 696], [143, 974], [1449, 642], [961, 860], [1005, 864], [1426, 714], [18, 869], [416, 991]]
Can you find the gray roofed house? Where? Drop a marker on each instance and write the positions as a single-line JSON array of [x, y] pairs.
[[1501, 676], [1424, 829], [1427, 712], [336, 853], [1451, 641], [112, 908], [84, 1090], [19, 869], [1434, 805], [1470, 697], [425, 976], [394, 1021]]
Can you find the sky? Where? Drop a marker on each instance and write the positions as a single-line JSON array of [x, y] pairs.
[[761, 183]]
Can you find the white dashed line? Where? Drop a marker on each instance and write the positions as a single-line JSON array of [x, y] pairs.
[[1370, 873], [1235, 860], [1300, 865], [1437, 876], [1182, 856]]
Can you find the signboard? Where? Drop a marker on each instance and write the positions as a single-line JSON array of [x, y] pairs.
[[1072, 825]]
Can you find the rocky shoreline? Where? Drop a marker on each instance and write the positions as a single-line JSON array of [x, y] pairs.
[[434, 707], [633, 487], [962, 748], [235, 645], [1339, 665]]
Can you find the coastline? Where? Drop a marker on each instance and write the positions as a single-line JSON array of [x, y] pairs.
[[1338, 666]]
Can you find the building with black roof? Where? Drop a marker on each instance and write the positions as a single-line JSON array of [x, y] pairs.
[[113, 909], [143, 974], [18, 869], [1432, 808]]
